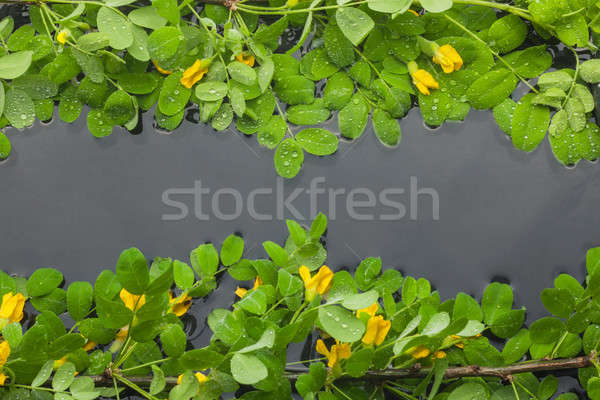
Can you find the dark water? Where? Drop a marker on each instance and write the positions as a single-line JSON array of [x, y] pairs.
[[74, 202]]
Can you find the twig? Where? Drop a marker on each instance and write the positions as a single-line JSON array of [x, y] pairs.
[[415, 372]]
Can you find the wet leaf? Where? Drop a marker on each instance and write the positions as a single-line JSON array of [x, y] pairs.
[[386, 128], [530, 123], [353, 118], [19, 109], [354, 23], [491, 89], [317, 141], [116, 27], [288, 158]]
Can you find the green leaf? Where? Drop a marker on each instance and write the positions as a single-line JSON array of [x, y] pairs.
[[367, 272], [64, 344], [173, 340], [132, 271], [93, 41], [242, 73], [516, 347], [205, 260], [113, 314], [530, 123], [116, 27], [167, 9], [546, 330], [589, 71], [436, 324], [559, 302], [211, 91], [43, 281], [436, 6], [389, 6], [354, 23], [359, 362], [353, 118], [267, 340], [14, 65], [573, 30], [173, 95], [507, 33], [467, 307], [232, 250], [497, 299], [339, 48], [255, 302], [469, 391], [19, 110], [164, 42], [44, 374], [247, 369], [225, 326], [338, 91], [288, 284], [491, 89], [200, 359], [317, 141], [507, 324], [118, 108], [295, 89], [98, 124], [341, 324], [360, 300], [555, 79], [576, 112], [272, 132], [308, 114], [79, 300], [183, 275], [5, 146], [147, 17], [63, 377], [288, 158], [387, 129]]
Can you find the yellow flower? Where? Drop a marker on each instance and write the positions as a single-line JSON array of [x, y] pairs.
[[371, 310], [60, 363], [448, 58], [161, 70], [199, 376], [62, 36], [292, 3], [4, 354], [247, 58], [377, 330], [89, 345], [11, 309], [180, 305], [132, 301], [338, 352], [194, 73], [413, 12], [419, 352], [241, 292], [422, 79], [439, 354], [119, 339], [319, 283]]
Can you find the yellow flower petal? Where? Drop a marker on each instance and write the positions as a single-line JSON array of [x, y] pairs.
[[419, 352], [2, 379], [377, 330], [424, 81], [12, 307], [89, 345], [180, 305], [247, 59], [132, 301], [371, 310], [194, 73], [241, 292], [4, 352], [448, 58], [439, 354], [62, 37], [161, 70], [321, 348]]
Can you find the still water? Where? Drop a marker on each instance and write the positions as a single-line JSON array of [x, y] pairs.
[[475, 209]]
